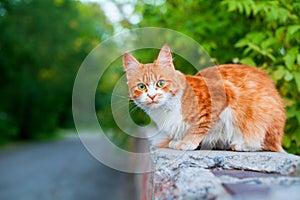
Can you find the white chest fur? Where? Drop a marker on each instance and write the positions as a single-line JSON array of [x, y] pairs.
[[169, 119]]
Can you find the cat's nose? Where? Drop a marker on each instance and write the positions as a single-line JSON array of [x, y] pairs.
[[151, 96]]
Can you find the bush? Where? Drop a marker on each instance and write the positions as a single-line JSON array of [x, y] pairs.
[[264, 34]]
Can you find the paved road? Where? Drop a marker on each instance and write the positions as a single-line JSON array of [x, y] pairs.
[[59, 170]]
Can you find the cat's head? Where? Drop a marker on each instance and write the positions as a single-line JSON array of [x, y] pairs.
[[155, 84]]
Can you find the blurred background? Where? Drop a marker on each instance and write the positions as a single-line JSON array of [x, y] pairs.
[[44, 42]]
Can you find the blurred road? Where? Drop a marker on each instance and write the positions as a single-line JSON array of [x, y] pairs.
[[59, 170]]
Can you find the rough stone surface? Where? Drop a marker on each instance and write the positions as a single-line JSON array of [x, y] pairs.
[[225, 175]]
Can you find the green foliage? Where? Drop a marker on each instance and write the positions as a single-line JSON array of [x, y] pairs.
[[265, 34], [205, 21], [42, 44], [273, 43]]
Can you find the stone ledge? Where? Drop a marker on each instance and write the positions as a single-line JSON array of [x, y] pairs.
[[269, 162], [224, 175]]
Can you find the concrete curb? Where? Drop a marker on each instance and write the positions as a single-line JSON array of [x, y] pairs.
[[224, 175], [269, 162]]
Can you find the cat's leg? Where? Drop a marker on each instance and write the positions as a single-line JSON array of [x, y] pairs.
[[273, 140], [164, 143], [160, 140], [246, 147], [189, 142], [241, 143], [274, 134]]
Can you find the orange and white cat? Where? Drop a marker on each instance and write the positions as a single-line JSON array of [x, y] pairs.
[[222, 107]]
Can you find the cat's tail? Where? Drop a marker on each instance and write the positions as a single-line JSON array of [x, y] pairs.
[[275, 146], [281, 150]]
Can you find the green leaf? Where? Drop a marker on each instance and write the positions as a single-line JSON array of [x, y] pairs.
[[296, 136], [286, 141], [293, 149], [289, 60], [247, 10], [247, 50], [255, 47], [288, 76], [293, 29], [280, 32], [297, 79], [290, 57], [298, 118], [247, 6], [279, 73], [241, 43], [282, 15], [248, 61], [291, 112], [257, 37], [240, 7], [298, 59], [231, 5], [269, 55], [293, 50], [268, 42], [272, 14], [257, 8]]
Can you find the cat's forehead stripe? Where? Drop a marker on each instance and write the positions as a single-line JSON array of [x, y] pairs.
[[148, 74]]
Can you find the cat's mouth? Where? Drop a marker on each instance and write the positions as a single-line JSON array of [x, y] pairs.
[[153, 102]]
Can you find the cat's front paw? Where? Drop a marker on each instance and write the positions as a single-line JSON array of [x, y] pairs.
[[181, 145]]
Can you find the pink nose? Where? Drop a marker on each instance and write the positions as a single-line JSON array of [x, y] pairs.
[[151, 96]]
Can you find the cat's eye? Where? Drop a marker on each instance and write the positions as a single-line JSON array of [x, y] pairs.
[[141, 86], [160, 83]]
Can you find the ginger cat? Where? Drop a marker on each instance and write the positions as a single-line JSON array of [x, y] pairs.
[[229, 106]]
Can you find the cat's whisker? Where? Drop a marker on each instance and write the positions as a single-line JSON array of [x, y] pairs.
[[124, 106], [133, 109], [120, 101], [121, 96]]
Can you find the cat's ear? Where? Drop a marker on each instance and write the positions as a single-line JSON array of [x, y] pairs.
[[130, 63], [165, 57]]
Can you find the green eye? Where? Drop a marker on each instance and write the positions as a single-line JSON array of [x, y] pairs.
[[141, 86], [160, 83]]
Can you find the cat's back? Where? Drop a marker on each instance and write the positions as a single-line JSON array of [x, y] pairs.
[[237, 74], [242, 74], [240, 78]]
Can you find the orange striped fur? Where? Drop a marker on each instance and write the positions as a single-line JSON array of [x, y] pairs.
[[222, 107]]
